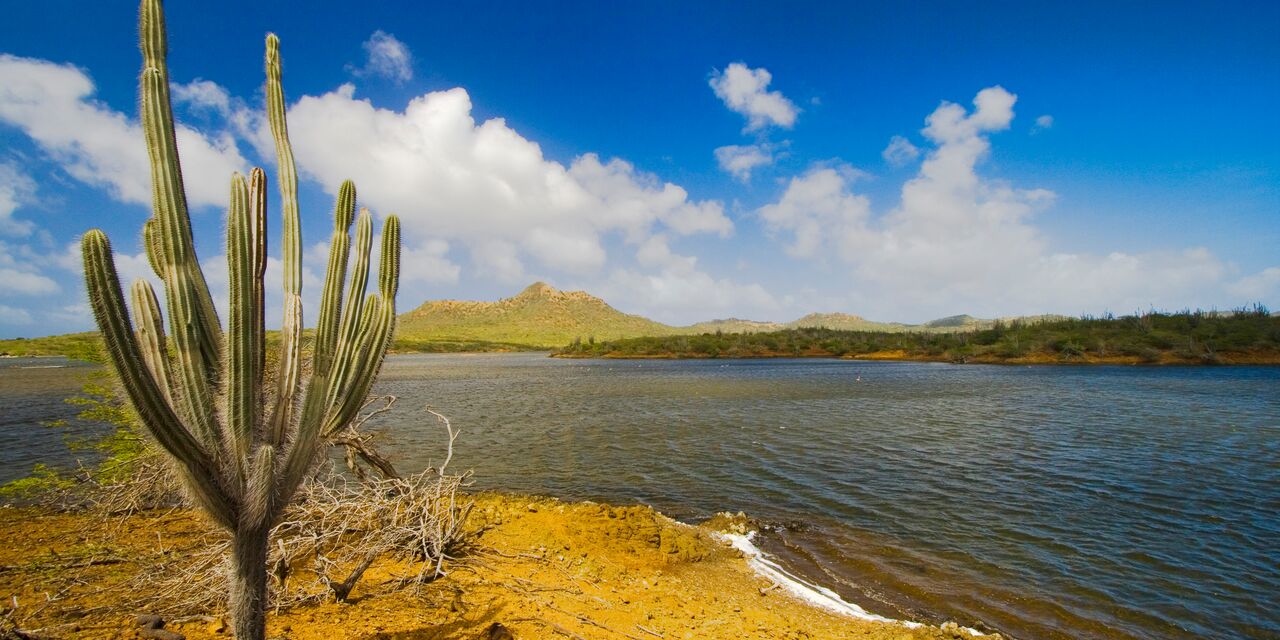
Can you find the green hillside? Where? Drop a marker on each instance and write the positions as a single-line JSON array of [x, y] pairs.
[[541, 316], [82, 346]]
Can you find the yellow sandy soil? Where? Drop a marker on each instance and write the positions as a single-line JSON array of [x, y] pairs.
[[540, 569]]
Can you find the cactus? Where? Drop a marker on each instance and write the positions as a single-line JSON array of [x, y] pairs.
[[240, 450]]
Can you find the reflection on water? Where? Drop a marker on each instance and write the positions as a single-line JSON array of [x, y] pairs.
[[1046, 502]]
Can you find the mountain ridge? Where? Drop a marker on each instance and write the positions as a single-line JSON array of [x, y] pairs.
[[542, 316]]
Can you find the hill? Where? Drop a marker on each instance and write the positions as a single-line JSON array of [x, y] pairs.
[[541, 316], [847, 322]]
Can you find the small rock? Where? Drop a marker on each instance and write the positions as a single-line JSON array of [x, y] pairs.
[[217, 625], [153, 633], [498, 632], [150, 621]]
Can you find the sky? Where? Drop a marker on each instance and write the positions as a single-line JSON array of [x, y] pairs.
[[682, 160]]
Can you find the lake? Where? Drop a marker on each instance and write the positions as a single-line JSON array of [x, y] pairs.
[[1043, 502]]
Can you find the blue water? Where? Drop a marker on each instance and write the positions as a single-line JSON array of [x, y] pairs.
[[37, 425], [1043, 502]]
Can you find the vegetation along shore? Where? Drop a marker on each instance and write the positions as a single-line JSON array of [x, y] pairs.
[[1243, 336], [1249, 336]]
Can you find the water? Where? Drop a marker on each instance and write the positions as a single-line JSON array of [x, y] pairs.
[[1043, 502], [36, 423]]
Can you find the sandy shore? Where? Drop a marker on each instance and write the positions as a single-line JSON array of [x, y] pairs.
[[539, 568]]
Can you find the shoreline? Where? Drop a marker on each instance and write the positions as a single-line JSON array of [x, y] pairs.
[[542, 568], [1227, 360]]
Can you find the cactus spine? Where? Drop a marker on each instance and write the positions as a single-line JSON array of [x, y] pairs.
[[201, 392]]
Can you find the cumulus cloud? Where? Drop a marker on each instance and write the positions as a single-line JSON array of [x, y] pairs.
[[21, 271], [430, 262], [13, 281], [1264, 285], [14, 316], [202, 94], [746, 91], [819, 213], [1043, 122], [740, 160], [486, 187], [675, 290], [387, 57], [900, 152], [958, 241], [54, 105], [16, 189]]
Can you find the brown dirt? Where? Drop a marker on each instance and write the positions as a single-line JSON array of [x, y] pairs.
[[540, 569]]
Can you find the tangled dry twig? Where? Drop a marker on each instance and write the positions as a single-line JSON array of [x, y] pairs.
[[338, 527]]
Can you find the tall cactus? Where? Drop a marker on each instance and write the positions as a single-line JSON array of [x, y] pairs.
[[241, 444]]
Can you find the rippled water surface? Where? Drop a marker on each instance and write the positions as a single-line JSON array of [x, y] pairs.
[[36, 422], [1045, 502]]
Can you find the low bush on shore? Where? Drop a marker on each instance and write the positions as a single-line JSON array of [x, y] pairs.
[[1245, 335]]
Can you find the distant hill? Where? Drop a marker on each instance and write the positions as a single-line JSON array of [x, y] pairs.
[[541, 316], [732, 325], [846, 322], [963, 320]]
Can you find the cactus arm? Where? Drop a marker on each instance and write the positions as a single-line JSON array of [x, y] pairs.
[[258, 243], [105, 297], [194, 331], [290, 371], [168, 196], [303, 451], [150, 336], [241, 374], [151, 242], [340, 372], [377, 339], [331, 301], [291, 248], [389, 267]]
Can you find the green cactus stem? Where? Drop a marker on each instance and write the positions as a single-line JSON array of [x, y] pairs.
[[199, 390]]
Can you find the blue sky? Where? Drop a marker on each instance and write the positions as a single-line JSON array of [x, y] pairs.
[[687, 160]]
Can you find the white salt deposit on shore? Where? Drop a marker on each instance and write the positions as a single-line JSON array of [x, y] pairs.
[[816, 595]]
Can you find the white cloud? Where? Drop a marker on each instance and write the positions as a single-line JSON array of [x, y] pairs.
[[54, 105], [900, 152], [819, 213], [22, 271], [14, 316], [15, 282], [959, 242], [740, 160], [1264, 285], [500, 260], [1043, 122], [676, 291], [202, 94], [485, 186], [387, 57], [429, 263], [16, 189], [745, 91]]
